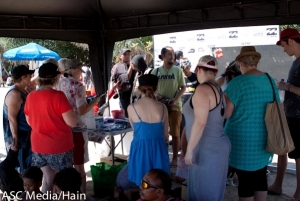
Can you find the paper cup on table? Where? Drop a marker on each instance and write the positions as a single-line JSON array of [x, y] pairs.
[[118, 114]]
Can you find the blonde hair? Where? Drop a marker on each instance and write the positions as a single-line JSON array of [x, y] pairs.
[[250, 60], [148, 91], [47, 81], [51, 61]]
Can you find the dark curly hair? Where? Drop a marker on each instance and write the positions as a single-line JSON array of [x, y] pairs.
[[165, 180], [34, 173], [68, 179], [231, 71]]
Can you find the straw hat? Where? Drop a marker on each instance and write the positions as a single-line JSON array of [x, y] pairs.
[[248, 51]]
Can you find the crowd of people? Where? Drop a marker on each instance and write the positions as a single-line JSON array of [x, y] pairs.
[[222, 126], [218, 121], [41, 117]]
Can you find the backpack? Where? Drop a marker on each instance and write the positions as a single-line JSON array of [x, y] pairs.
[[10, 180]]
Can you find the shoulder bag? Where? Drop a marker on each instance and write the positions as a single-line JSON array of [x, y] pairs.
[[279, 137]]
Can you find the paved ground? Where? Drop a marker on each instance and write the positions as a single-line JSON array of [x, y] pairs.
[[97, 151]]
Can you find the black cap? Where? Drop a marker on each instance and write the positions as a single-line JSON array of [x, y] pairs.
[[148, 80], [139, 61], [123, 50], [48, 70], [19, 71]]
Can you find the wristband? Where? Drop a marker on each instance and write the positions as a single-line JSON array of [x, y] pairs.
[[291, 88]]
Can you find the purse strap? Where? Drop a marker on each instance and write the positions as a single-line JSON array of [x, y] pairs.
[[278, 110], [274, 96]]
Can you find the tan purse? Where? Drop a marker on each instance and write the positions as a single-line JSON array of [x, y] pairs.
[[279, 137]]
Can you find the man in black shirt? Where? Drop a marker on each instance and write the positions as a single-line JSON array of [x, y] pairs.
[[191, 84], [190, 79], [290, 41]]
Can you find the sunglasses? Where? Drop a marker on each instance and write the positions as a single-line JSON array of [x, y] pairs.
[[145, 185]]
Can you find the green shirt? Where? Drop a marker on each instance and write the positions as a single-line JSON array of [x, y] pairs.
[[169, 83]]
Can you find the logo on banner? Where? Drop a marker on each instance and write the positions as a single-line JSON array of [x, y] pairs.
[[233, 34], [200, 37], [192, 50], [191, 39], [221, 37], [200, 49], [272, 32], [258, 34], [173, 39], [245, 43], [218, 53]]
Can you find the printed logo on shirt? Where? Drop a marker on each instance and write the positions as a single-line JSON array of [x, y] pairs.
[[167, 77]]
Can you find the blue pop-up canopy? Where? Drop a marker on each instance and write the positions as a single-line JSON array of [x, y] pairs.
[[31, 51]]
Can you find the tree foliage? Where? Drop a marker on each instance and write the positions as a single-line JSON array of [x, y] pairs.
[[292, 26], [63, 48], [141, 45]]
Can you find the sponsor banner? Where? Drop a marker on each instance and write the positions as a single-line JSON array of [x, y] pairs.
[[195, 44]]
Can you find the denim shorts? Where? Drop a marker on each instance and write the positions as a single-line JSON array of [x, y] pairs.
[[56, 161]]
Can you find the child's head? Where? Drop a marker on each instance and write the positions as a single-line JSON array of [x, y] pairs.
[[67, 180], [33, 179]]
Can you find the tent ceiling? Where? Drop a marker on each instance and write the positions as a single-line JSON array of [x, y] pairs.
[[87, 20]]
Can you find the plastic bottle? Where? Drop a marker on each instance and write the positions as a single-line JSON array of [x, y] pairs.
[[281, 93], [102, 108], [89, 118]]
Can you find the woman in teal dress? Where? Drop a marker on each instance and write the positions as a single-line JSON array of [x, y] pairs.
[[246, 99]]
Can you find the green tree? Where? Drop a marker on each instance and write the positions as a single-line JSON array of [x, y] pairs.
[[292, 26], [64, 49], [141, 45]]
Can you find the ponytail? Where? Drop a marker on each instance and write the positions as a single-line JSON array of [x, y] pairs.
[[148, 91]]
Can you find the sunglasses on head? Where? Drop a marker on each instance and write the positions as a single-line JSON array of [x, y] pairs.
[[145, 185]]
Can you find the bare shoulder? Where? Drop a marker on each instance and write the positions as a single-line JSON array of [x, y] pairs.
[[203, 89], [130, 107], [14, 93], [220, 80], [13, 96], [159, 104]]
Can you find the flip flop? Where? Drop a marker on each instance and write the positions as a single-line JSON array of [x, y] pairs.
[[273, 193]]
